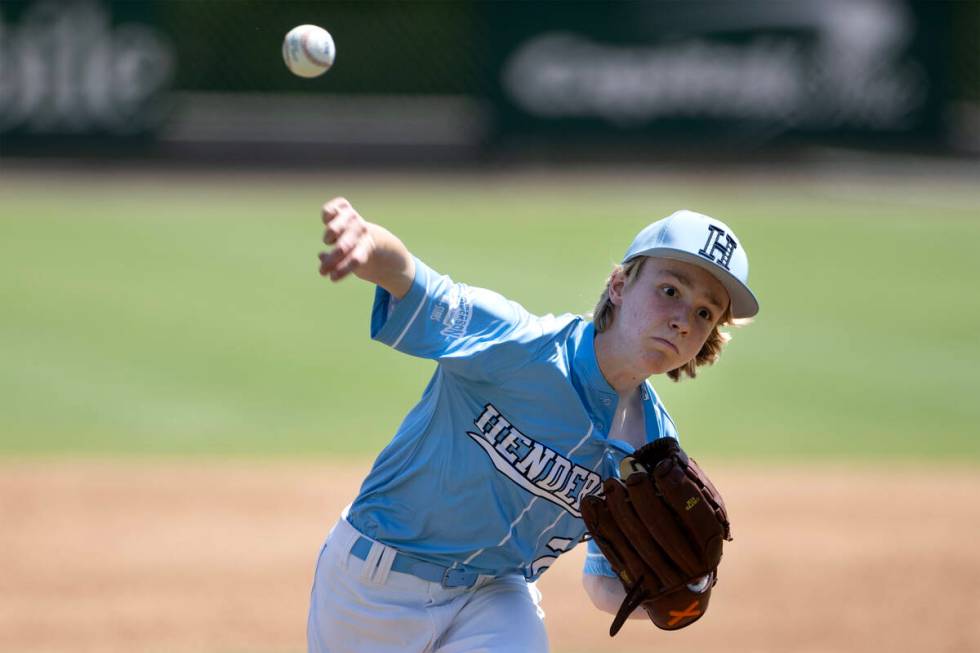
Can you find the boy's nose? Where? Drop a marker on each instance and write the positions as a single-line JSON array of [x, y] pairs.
[[680, 323]]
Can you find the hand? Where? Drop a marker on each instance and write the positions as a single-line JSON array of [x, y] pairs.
[[352, 240]]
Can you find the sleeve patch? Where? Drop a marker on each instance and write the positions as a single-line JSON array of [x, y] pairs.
[[455, 312]]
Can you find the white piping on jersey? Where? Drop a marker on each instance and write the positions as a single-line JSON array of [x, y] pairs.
[[407, 326], [583, 440], [510, 529]]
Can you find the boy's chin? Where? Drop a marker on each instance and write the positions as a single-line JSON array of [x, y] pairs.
[[655, 365]]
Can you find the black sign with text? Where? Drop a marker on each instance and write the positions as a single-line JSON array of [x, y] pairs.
[[490, 76]]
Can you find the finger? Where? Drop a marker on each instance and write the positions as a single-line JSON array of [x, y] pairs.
[[342, 251], [325, 265], [333, 207], [329, 261], [349, 263], [347, 240], [337, 225]]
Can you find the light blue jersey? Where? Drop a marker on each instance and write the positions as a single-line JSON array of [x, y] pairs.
[[486, 473]]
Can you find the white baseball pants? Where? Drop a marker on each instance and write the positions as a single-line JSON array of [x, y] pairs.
[[363, 606]]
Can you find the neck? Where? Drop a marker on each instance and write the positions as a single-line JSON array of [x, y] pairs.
[[616, 365]]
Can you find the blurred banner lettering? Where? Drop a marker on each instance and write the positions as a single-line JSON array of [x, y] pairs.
[[479, 78], [81, 68]]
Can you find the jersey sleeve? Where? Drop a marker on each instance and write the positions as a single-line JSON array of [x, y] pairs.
[[452, 323], [596, 563]]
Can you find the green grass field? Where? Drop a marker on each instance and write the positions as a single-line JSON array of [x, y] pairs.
[[184, 315]]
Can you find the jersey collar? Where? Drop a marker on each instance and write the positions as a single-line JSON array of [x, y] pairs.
[[597, 395]]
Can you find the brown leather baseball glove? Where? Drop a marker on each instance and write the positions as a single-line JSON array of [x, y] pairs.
[[661, 528]]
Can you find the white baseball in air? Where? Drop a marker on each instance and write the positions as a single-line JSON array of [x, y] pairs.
[[308, 50]]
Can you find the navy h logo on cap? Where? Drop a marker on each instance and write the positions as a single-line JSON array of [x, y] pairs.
[[715, 245]]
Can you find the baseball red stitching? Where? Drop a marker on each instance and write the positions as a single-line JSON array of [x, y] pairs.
[[309, 54]]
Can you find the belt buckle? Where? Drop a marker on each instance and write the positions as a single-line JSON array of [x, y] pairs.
[[457, 580]]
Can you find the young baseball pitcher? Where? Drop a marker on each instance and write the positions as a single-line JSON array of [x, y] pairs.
[[533, 434]]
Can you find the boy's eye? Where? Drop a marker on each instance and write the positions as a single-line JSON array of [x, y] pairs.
[[705, 314], [670, 291]]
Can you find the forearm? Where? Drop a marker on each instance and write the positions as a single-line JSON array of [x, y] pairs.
[[390, 264], [607, 594]]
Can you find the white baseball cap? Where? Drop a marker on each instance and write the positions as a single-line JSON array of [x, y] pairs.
[[705, 242]]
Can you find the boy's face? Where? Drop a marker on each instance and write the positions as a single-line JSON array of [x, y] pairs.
[[667, 313]]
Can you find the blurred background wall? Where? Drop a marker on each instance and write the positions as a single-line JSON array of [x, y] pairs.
[[476, 81]]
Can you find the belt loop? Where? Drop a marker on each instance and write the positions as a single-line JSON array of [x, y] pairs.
[[483, 579], [371, 561], [347, 537], [449, 576], [377, 564], [381, 572]]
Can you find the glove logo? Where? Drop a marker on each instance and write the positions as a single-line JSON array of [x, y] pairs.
[[693, 501], [677, 616]]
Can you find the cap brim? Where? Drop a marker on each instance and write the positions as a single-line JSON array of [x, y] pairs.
[[744, 303]]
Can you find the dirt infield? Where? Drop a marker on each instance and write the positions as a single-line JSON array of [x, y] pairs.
[[183, 557]]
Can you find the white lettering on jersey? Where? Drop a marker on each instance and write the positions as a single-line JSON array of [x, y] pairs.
[[557, 544], [535, 467], [456, 313]]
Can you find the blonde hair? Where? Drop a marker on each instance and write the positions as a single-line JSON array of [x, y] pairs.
[[605, 312]]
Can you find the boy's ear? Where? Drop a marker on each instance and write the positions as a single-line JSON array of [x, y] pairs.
[[617, 281]]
